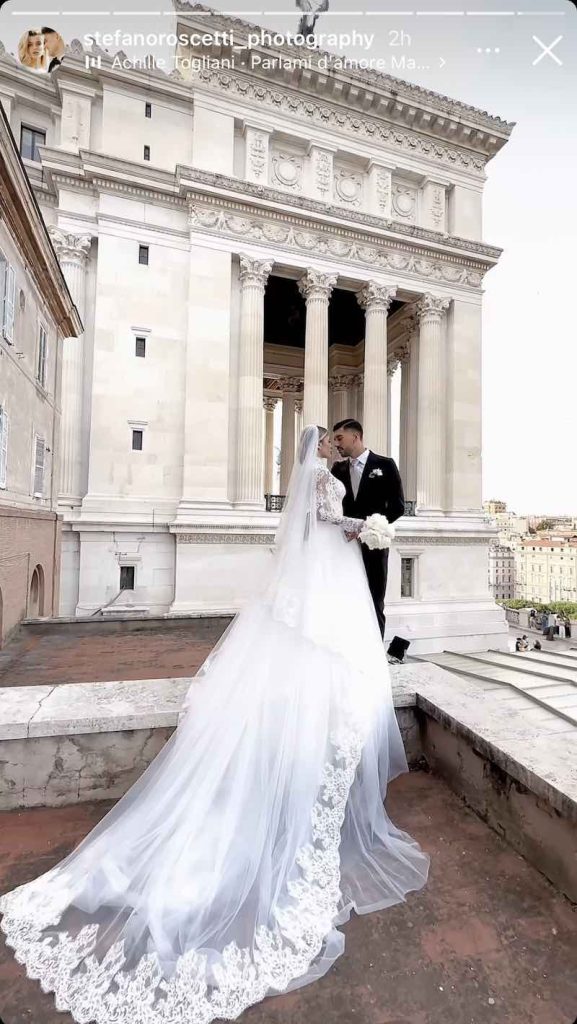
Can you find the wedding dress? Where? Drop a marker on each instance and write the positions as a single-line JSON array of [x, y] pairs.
[[222, 875]]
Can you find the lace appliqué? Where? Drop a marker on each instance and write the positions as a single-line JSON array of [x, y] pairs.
[[99, 991], [329, 501]]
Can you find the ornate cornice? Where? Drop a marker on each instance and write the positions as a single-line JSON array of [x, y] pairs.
[[218, 218], [222, 537], [192, 177], [376, 130], [397, 87]]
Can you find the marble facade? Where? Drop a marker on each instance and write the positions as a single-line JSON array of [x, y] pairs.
[[347, 181]]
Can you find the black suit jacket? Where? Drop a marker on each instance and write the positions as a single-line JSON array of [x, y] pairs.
[[377, 493]]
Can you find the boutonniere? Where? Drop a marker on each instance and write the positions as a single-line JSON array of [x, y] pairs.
[[375, 472]]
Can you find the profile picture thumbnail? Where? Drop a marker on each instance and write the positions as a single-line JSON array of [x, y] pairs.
[[41, 49]]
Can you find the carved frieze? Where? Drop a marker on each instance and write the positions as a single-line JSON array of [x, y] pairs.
[[287, 170], [404, 202]]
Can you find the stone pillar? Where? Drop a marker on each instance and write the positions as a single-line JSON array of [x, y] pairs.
[[432, 401], [376, 300], [269, 404], [249, 455], [72, 252], [300, 421], [404, 359], [410, 402], [355, 402], [340, 386], [290, 389], [392, 365], [316, 289]]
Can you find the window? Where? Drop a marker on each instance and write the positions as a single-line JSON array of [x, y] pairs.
[[7, 298], [30, 140], [41, 364], [137, 436], [148, 109], [143, 255], [39, 458], [127, 577], [3, 446], [407, 577], [140, 349], [147, 152]]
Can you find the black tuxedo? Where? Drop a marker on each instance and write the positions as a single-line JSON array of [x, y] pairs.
[[381, 493]]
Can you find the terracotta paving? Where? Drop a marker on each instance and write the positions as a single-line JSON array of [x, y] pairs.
[[489, 941], [66, 657]]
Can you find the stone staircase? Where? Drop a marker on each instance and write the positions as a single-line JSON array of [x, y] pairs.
[[541, 685]]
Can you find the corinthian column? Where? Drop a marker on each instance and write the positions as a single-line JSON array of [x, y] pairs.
[[431, 410], [269, 408], [316, 289], [72, 252], [409, 409], [253, 277], [376, 300], [291, 387]]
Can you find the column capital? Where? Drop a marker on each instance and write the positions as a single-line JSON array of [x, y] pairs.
[[392, 364], [315, 284], [269, 403], [342, 382], [70, 247], [376, 296], [298, 406], [403, 354], [291, 385], [254, 272], [431, 306]]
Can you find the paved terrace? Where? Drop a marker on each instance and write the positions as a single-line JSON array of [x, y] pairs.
[[489, 941]]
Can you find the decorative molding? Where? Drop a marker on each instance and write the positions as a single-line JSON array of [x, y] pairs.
[[343, 382], [287, 170], [332, 245], [257, 155], [404, 202], [266, 539], [348, 187], [392, 365], [351, 122], [376, 296], [269, 403], [190, 176], [401, 539]]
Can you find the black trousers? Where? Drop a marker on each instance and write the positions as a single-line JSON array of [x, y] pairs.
[[377, 568]]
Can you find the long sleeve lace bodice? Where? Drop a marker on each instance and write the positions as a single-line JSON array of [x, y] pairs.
[[329, 498]]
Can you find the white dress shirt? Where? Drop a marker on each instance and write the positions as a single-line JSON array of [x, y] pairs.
[[357, 467]]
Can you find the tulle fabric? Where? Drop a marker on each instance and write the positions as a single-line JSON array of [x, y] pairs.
[[222, 875]]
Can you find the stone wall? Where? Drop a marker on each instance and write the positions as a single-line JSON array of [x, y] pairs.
[[29, 541]]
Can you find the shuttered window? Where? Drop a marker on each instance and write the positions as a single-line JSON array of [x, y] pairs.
[[8, 298], [41, 367], [39, 459]]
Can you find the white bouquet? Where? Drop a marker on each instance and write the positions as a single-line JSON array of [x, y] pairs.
[[377, 532]]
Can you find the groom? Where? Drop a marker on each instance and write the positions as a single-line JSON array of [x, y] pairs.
[[373, 484]]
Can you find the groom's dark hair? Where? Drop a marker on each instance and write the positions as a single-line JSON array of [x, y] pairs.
[[350, 425]]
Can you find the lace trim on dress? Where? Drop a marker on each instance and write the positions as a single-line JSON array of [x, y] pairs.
[[329, 501], [93, 990]]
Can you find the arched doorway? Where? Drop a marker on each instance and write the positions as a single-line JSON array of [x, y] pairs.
[[36, 600]]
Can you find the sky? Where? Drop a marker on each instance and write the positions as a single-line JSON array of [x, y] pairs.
[[494, 56]]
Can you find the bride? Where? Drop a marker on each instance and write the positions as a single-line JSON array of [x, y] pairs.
[[221, 877]]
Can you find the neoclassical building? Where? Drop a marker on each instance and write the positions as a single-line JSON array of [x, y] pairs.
[[245, 244]]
